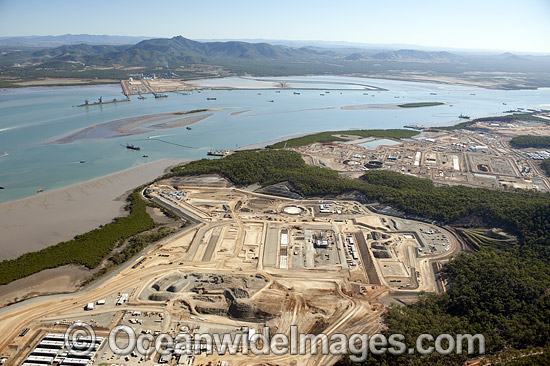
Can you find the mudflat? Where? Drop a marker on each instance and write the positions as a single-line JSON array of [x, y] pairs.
[[34, 223]]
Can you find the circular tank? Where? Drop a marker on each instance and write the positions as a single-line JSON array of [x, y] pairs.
[[292, 210], [373, 164]]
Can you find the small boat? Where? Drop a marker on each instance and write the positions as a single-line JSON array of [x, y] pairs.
[[82, 161], [464, 116], [210, 98], [2, 187], [218, 153], [259, 93], [433, 93], [271, 101], [322, 94], [40, 190], [132, 147], [145, 156], [277, 91], [189, 128], [472, 93], [365, 93], [296, 93], [504, 104], [157, 95]]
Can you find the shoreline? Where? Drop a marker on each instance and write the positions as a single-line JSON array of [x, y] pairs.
[[67, 82], [33, 223], [262, 145]]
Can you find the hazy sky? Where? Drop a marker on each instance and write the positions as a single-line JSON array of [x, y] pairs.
[[520, 25]]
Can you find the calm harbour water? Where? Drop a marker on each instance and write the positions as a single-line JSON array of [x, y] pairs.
[[30, 118]]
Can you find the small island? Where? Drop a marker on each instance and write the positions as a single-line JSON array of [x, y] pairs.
[[420, 104]]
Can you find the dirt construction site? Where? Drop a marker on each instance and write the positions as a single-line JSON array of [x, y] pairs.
[[247, 260], [481, 157]]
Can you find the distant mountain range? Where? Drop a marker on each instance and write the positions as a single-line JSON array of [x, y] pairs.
[[186, 49], [170, 51], [263, 59], [179, 50]]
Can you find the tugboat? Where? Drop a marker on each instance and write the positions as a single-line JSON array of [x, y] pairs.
[[132, 147], [463, 116]]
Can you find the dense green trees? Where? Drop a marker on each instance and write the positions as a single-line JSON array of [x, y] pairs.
[[545, 166], [329, 136], [420, 104], [525, 141], [512, 117]]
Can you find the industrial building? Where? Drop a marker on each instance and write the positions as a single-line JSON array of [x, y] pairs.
[[51, 350]]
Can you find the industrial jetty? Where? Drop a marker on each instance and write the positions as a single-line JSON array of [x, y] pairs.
[[101, 101]]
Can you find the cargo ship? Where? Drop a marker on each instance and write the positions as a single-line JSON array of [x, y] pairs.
[[101, 101], [133, 147]]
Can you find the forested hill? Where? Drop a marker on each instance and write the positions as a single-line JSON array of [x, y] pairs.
[[525, 141], [503, 294], [181, 55]]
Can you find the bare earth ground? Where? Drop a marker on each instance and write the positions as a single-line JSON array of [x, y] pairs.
[[56, 280], [34, 223]]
